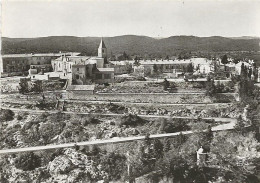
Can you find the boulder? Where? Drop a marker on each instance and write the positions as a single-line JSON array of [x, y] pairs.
[[60, 165]]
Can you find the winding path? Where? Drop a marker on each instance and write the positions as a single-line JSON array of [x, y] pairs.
[[227, 126]]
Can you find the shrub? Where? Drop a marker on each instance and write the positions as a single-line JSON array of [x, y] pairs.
[[90, 120], [27, 161], [140, 78], [116, 108], [170, 126], [6, 115], [114, 164], [131, 120], [19, 117], [50, 130]]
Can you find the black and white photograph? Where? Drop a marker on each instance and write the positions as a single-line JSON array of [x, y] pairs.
[[130, 91]]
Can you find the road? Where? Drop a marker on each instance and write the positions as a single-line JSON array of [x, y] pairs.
[[109, 141]]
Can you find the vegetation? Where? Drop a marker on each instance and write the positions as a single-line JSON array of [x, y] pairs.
[[131, 120], [131, 44], [166, 84], [6, 115], [224, 60], [27, 161], [171, 126], [210, 87]]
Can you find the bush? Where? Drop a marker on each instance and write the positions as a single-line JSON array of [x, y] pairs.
[[168, 126], [90, 120], [50, 130], [140, 78], [114, 164], [132, 120], [6, 115], [19, 117], [27, 161], [116, 108]]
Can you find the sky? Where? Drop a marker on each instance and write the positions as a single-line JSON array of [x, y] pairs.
[[107, 18]]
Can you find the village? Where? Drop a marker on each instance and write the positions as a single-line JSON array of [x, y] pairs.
[[130, 91], [122, 101]]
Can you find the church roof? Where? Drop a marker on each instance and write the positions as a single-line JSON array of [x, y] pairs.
[[102, 44]]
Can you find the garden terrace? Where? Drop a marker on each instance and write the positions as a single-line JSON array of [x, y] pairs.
[[188, 110], [182, 98], [151, 87]]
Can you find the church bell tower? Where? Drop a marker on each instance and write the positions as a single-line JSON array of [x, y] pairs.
[[102, 50]]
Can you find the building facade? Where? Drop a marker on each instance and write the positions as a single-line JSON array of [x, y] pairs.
[[84, 70], [20, 64]]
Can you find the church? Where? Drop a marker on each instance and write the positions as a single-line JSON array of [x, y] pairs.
[[85, 70]]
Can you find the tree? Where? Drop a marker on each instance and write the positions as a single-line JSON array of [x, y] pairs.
[[240, 124], [136, 62], [6, 115], [132, 120], [27, 161], [128, 68], [125, 56], [229, 148], [210, 87], [243, 72], [23, 86], [190, 68], [155, 68], [224, 60], [166, 84], [114, 164], [37, 87]]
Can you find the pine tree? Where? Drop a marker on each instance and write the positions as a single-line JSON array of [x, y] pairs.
[[224, 60]]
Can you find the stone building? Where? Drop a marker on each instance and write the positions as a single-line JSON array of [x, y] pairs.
[[20, 64], [84, 70]]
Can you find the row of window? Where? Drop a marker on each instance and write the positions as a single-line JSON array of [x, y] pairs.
[[16, 62], [106, 76]]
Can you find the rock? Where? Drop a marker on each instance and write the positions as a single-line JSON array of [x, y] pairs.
[[135, 132], [112, 134], [60, 165]]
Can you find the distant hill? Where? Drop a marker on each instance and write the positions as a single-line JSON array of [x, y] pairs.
[[131, 44], [245, 37]]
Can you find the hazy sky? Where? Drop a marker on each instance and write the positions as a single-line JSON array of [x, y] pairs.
[[113, 18]]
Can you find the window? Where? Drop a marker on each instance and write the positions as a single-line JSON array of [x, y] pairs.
[[77, 76], [103, 51], [98, 76], [107, 76], [77, 69]]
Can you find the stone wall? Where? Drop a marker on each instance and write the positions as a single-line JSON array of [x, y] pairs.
[[148, 97]]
